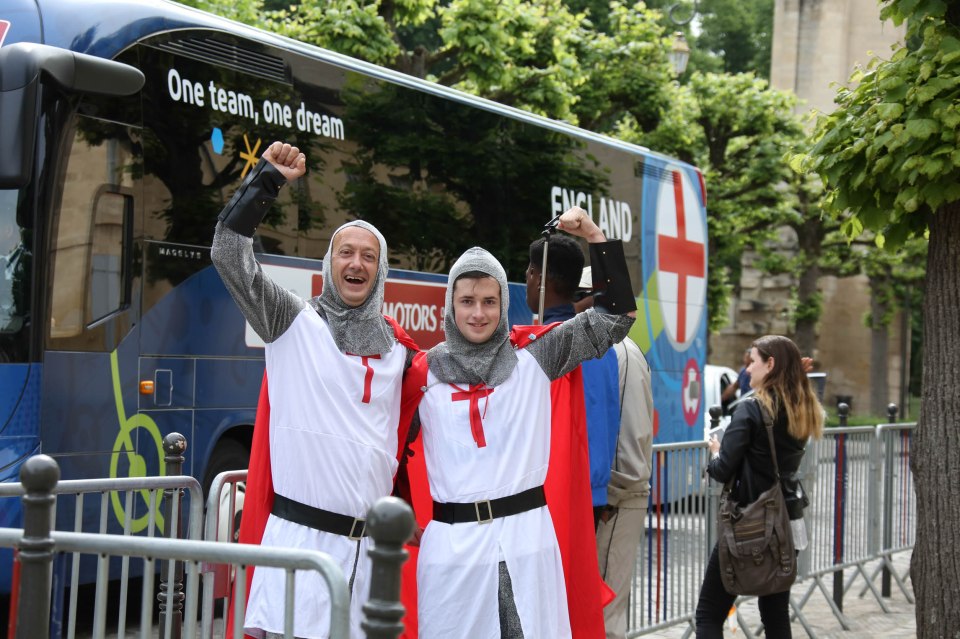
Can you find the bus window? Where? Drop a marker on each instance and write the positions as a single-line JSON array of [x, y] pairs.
[[89, 279]]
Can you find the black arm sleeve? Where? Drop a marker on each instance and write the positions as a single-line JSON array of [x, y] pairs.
[[611, 279], [252, 200]]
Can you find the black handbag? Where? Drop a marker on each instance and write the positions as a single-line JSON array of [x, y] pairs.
[[754, 542]]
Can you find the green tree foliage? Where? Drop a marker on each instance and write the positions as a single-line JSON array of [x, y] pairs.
[[627, 71], [597, 10], [890, 155], [736, 129], [246, 11], [737, 34]]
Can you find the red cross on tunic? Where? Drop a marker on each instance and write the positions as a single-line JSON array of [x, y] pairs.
[[368, 376], [474, 393], [681, 256]]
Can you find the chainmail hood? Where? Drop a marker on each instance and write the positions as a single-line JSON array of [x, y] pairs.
[[458, 360], [360, 330]]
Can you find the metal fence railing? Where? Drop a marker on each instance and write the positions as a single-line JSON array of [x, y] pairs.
[[672, 557], [186, 564], [220, 524], [862, 509], [149, 506]]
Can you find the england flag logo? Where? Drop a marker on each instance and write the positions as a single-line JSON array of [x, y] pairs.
[[681, 258]]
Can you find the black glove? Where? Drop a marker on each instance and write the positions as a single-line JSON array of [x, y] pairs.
[[611, 279], [253, 199]]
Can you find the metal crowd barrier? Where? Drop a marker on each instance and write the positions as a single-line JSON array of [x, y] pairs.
[[163, 498], [219, 578], [862, 510], [390, 522], [672, 557]]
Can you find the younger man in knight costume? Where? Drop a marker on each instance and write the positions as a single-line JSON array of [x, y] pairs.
[[489, 563], [334, 366]]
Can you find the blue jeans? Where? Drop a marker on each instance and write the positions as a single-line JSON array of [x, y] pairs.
[[714, 605]]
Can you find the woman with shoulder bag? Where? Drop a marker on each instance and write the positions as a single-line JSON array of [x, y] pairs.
[[783, 391]]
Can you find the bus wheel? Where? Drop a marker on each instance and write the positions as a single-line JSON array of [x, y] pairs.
[[229, 454]]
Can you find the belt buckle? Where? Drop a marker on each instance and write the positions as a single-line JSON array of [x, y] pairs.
[[489, 517], [354, 535]]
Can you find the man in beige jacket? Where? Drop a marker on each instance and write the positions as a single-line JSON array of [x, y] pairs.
[[620, 530]]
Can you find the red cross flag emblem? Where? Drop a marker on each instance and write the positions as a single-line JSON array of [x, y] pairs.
[[681, 257]]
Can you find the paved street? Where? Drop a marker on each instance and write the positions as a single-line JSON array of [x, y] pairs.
[[865, 616]]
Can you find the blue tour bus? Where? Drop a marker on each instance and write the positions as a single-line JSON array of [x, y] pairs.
[[114, 327]]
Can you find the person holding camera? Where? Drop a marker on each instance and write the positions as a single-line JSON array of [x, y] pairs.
[[783, 391]]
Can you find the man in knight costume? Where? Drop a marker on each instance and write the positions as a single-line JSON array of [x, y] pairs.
[[489, 563], [326, 442]]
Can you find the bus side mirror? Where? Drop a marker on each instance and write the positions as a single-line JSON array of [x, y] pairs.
[[23, 68]]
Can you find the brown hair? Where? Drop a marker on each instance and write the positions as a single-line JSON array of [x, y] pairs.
[[786, 382]]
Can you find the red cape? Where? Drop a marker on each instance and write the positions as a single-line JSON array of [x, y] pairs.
[[258, 496], [567, 488]]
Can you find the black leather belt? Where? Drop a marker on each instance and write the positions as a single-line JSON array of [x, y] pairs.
[[318, 518], [485, 511]]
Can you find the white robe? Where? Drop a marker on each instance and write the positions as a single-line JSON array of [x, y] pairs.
[[457, 569], [329, 449]]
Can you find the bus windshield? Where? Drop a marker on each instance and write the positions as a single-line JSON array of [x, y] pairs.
[[14, 281]]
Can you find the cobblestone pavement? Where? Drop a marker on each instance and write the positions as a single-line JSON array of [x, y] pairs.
[[864, 615]]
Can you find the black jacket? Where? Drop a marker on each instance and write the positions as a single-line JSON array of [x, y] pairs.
[[745, 456]]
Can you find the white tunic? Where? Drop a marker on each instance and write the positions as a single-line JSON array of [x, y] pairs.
[[457, 570], [333, 445]]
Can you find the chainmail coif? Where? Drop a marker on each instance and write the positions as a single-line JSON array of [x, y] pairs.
[[360, 330], [458, 360]]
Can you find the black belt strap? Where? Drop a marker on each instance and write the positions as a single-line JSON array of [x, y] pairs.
[[318, 518], [483, 512]]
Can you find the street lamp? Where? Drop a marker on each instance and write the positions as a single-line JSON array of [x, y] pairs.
[[679, 54]]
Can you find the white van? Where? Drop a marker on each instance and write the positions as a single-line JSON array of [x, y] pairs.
[[716, 378]]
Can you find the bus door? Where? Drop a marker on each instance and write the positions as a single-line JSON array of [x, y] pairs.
[[92, 320]]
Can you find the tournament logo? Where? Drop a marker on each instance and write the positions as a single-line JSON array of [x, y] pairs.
[[691, 392]]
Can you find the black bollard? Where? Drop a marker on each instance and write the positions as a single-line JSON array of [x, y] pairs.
[[888, 500], [39, 476], [839, 503], [390, 523], [174, 445]]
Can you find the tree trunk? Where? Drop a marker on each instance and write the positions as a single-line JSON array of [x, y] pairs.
[[935, 459], [810, 240], [805, 334], [879, 351]]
